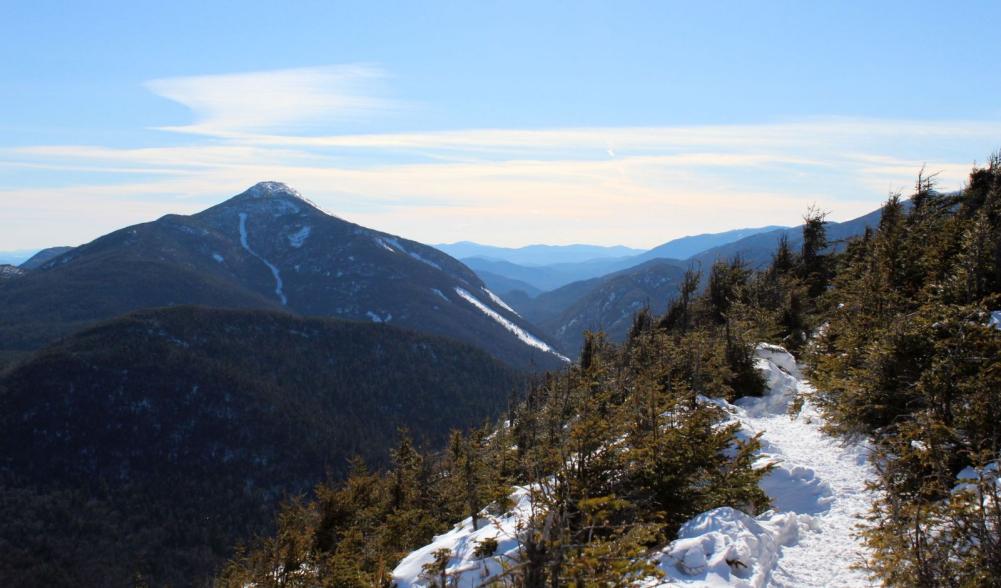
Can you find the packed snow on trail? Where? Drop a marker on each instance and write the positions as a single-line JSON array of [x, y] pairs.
[[818, 491]]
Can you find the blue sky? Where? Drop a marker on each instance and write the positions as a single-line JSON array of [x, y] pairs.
[[506, 123]]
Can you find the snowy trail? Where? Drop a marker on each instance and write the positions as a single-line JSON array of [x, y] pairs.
[[818, 492], [818, 489], [823, 555], [274, 270]]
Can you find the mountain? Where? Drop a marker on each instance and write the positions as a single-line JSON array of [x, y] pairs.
[[43, 256], [555, 275], [550, 277], [149, 445], [266, 248], [537, 254], [686, 247], [607, 303], [757, 249]]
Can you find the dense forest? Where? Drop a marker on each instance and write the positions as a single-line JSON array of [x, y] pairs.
[[143, 449], [909, 355], [622, 448]]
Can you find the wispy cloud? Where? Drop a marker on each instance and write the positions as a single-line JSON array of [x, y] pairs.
[[287, 100], [633, 185]]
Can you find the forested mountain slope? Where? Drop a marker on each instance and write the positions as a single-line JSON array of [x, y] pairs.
[[148, 446]]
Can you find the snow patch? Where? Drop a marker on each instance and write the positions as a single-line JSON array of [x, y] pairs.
[[463, 567], [996, 319], [969, 478], [393, 244], [376, 318], [11, 271], [384, 245], [440, 294], [274, 270], [218, 257], [517, 331], [497, 300], [423, 260], [726, 547], [297, 238]]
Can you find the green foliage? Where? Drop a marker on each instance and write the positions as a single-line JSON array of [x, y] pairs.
[[485, 548], [908, 358], [619, 451]]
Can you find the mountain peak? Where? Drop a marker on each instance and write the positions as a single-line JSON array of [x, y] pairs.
[[272, 190], [277, 197]]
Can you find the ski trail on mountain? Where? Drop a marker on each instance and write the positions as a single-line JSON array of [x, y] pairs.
[[274, 270], [818, 491]]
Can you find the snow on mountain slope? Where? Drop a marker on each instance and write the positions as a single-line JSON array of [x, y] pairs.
[[818, 490], [497, 300], [517, 331], [274, 270]]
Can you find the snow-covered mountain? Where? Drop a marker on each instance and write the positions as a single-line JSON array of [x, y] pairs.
[[268, 248]]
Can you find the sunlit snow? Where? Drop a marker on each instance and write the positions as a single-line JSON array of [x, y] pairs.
[[497, 300], [518, 332], [818, 491]]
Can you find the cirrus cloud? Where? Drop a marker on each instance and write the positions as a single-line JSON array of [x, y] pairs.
[[229, 105]]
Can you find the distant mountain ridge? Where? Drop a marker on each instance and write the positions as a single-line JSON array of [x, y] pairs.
[[265, 248], [609, 301], [686, 247], [555, 275], [533, 255], [756, 250]]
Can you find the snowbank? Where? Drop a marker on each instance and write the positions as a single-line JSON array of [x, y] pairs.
[[464, 568], [726, 547]]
